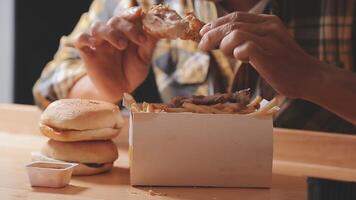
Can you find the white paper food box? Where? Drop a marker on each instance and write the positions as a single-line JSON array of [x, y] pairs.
[[190, 149]]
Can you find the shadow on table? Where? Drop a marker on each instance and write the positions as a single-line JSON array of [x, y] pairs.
[[70, 189], [203, 193], [117, 176], [283, 187]]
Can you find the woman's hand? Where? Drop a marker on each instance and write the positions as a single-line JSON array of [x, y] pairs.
[[263, 41], [116, 54]]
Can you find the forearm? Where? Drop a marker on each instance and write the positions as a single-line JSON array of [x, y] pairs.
[[336, 92], [84, 88]]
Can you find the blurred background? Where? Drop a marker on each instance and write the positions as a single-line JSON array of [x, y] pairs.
[[29, 37]]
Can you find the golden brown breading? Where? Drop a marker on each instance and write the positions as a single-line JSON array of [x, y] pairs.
[[163, 22]]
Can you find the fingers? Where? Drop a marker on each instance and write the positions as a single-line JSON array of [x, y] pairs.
[[119, 30], [249, 51], [243, 29], [88, 46], [212, 38], [129, 29], [132, 14], [104, 47], [102, 32], [118, 33], [83, 43], [126, 24], [234, 17], [145, 53], [83, 40], [238, 37]]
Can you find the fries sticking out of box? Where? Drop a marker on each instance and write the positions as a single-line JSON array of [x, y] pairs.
[[223, 140], [227, 103]]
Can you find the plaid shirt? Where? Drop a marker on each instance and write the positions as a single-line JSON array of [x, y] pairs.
[[322, 27]]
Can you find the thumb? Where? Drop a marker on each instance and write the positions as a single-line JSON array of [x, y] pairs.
[[248, 51], [132, 14]]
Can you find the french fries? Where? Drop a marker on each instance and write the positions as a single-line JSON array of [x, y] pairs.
[[255, 102], [130, 103], [201, 108], [273, 110], [253, 108], [149, 108], [176, 110], [128, 100], [145, 106], [264, 111], [159, 106], [135, 107]]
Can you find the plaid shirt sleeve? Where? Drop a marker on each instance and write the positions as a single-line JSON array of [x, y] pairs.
[[66, 68]]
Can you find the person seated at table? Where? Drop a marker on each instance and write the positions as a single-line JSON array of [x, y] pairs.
[[300, 51]]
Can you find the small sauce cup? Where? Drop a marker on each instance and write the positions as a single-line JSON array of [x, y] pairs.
[[50, 174]]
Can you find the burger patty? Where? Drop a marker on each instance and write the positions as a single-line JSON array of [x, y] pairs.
[[94, 165], [43, 157], [241, 97]]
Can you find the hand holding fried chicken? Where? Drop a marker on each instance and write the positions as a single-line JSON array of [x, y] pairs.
[[116, 54]]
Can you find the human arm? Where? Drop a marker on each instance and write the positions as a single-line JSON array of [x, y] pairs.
[[336, 91], [66, 75], [67, 68], [263, 41], [116, 55]]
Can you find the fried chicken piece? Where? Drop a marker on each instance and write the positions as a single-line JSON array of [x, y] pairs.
[[163, 22], [240, 98], [192, 31], [177, 102], [211, 100]]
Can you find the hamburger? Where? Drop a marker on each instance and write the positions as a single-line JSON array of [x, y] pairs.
[[92, 157], [71, 120]]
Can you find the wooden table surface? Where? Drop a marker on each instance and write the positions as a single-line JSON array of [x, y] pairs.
[[19, 136]]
